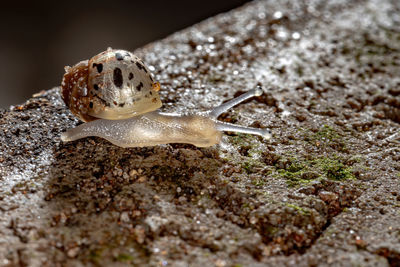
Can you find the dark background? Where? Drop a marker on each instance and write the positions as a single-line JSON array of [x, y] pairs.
[[38, 39]]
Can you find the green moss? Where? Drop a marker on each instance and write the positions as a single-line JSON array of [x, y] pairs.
[[296, 167], [246, 207], [299, 70], [251, 165], [258, 182], [20, 185], [249, 148], [237, 265], [255, 151], [293, 171], [241, 139], [301, 210], [326, 133], [297, 172], [356, 159], [95, 255], [270, 230], [124, 257], [325, 136], [247, 166], [334, 169]]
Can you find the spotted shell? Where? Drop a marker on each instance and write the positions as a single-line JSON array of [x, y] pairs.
[[113, 85]]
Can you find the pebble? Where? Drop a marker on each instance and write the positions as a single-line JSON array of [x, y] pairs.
[[133, 173], [73, 252], [124, 217], [328, 196]]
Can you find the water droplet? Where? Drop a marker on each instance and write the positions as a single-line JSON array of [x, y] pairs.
[[296, 35], [278, 15], [281, 34]]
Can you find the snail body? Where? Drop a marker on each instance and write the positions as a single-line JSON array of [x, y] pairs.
[[150, 129], [115, 94]]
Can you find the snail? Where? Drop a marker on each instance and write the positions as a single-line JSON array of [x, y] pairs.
[[115, 95]]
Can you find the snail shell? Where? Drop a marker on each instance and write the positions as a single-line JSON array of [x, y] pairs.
[[113, 85]]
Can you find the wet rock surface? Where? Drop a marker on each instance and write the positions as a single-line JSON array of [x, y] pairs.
[[324, 191]]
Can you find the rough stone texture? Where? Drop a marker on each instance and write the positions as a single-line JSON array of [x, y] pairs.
[[325, 190]]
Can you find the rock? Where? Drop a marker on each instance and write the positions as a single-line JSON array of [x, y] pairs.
[[327, 68]]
